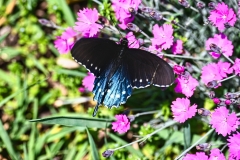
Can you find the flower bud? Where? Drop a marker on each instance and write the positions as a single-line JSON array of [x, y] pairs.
[[216, 100], [211, 94], [211, 5], [131, 118], [145, 9], [132, 10], [200, 5], [231, 95], [184, 3], [133, 27], [203, 112], [156, 15], [107, 153], [212, 84], [204, 147], [215, 48], [227, 102]]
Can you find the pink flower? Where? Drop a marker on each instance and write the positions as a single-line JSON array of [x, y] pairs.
[[198, 156], [222, 15], [177, 47], [182, 110], [234, 146], [132, 41], [122, 124], [236, 66], [86, 23], [210, 72], [65, 42], [81, 89], [88, 81], [223, 122], [224, 69], [163, 38], [216, 154], [178, 69], [121, 9], [221, 41], [186, 86]]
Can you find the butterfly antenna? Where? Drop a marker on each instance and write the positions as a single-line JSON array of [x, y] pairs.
[[95, 110]]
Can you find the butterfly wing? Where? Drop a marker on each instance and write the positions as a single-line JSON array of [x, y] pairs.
[[116, 90], [95, 53], [146, 68]]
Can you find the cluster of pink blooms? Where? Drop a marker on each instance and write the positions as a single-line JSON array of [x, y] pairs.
[[224, 122]]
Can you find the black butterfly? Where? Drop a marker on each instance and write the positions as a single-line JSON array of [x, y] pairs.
[[118, 69]]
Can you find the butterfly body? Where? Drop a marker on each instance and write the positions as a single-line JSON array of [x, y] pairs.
[[118, 69]]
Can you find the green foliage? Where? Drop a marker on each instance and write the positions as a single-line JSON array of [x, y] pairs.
[[107, 11]]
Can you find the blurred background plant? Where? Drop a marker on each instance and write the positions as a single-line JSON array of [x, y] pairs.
[[37, 82]]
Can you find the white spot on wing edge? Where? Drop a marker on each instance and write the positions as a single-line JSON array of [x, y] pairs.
[[83, 65]]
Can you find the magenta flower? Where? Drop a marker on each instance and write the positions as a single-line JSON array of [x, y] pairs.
[[221, 41], [234, 146], [86, 23], [216, 154], [132, 41], [65, 42], [236, 66], [210, 72], [88, 81], [223, 122], [163, 38], [224, 69], [122, 124], [177, 47], [222, 15], [182, 110], [122, 11], [178, 69], [186, 86], [197, 156]]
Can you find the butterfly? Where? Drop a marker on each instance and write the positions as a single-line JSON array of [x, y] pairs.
[[118, 69]]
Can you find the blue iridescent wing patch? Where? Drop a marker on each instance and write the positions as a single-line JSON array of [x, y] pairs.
[[114, 91]]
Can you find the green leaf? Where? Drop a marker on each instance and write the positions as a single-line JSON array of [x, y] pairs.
[[6, 140], [75, 121], [187, 135], [94, 150]]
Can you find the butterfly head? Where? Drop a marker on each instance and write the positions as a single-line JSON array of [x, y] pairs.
[[124, 42]]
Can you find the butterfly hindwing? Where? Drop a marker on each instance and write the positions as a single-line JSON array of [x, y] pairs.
[[116, 90], [146, 68], [95, 53]]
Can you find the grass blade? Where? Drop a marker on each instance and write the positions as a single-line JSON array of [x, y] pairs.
[[94, 150], [6, 140], [74, 121]]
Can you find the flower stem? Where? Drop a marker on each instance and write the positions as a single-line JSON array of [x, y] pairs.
[[167, 124], [185, 57], [145, 113], [230, 60], [183, 153], [227, 78]]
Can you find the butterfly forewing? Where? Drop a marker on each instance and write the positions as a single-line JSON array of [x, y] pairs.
[[95, 53], [146, 68]]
